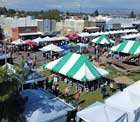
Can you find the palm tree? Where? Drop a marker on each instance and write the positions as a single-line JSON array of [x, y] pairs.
[[11, 103]]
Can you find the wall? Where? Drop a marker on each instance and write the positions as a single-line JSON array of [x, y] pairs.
[[16, 31]]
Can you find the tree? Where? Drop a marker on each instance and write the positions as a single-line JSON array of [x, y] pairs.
[[96, 13], [132, 14], [11, 103], [53, 14]]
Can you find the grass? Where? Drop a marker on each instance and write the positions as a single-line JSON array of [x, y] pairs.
[[88, 97], [135, 76], [46, 72], [91, 97]]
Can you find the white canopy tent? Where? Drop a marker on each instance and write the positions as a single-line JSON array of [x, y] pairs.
[[51, 47], [99, 112], [82, 45], [85, 34], [18, 42], [37, 40], [133, 89], [45, 39], [123, 101], [60, 38], [131, 36]]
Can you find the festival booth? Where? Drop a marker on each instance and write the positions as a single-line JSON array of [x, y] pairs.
[[128, 47], [99, 112], [73, 37], [37, 40], [18, 42], [131, 37], [59, 40], [42, 106], [103, 39], [133, 89], [126, 102], [83, 47], [78, 67], [129, 51], [51, 48]]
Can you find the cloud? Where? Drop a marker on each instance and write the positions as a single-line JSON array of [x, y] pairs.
[[70, 4]]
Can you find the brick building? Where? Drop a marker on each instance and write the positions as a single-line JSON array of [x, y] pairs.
[[24, 32]]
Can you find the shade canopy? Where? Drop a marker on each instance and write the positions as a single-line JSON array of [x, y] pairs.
[[77, 67], [131, 36], [134, 88], [103, 39], [72, 36], [51, 47], [42, 106], [59, 38], [45, 39], [30, 43], [99, 112], [18, 42], [31, 77], [37, 40], [123, 80], [129, 47], [126, 102]]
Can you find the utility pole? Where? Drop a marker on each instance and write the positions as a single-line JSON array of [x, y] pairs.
[[5, 40]]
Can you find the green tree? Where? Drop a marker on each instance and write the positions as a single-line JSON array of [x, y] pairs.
[[132, 14], [11, 103], [53, 14], [3, 10], [96, 13], [11, 12]]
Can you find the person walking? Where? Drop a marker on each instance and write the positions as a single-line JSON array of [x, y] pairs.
[[67, 91]]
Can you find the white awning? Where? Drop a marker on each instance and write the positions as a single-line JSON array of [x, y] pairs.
[[131, 36], [30, 34]]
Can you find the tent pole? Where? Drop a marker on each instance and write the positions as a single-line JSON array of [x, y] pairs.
[[51, 54]]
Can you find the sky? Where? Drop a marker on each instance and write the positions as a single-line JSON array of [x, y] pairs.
[[72, 5]]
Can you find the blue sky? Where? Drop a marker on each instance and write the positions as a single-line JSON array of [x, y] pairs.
[[67, 5]]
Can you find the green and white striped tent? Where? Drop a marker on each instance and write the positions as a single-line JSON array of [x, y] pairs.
[[129, 47], [77, 67], [103, 39]]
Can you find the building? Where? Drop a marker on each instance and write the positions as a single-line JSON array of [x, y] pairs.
[[73, 26], [25, 33], [121, 23], [44, 26]]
